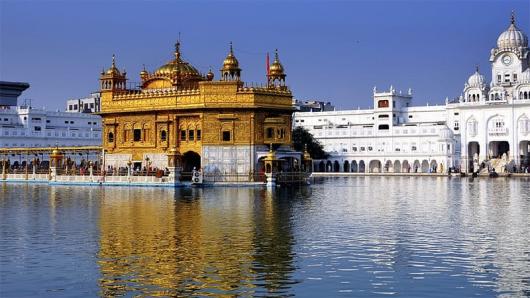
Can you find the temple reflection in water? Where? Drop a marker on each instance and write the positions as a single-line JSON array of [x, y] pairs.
[[190, 246]]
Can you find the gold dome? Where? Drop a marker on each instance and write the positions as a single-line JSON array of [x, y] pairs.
[[230, 62], [210, 75], [276, 68], [177, 65]]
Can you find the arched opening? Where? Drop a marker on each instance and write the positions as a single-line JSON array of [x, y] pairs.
[[498, 148], [473, 153], [425, 166], [405, 167], [336, 166], [163, 136], [375, 166], [362, 167], [329, 167], [346, 167], [434, 166], [354, 167], [416, 166], [321, 166], [397, 166], [110, 137], [524, 154], [190, 160], [388, 166]]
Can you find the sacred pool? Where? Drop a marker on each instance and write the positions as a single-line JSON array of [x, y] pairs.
[[339, 237]]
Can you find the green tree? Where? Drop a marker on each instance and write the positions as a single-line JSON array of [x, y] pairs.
[[301, 137]]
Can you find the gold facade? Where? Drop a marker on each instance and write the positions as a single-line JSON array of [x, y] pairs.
[[177, 107]]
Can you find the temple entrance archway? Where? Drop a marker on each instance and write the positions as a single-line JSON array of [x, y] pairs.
[[329, 167], [405, 167], [191, 160]]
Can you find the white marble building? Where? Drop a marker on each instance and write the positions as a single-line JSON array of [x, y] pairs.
[[487, 123], [26, 127]]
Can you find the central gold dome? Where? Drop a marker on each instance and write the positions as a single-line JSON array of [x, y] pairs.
[[177, 65]]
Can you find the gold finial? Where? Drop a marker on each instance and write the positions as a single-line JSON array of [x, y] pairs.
[[513, 17], [113, 60], [231, 49], [177, 49], [276, 55]]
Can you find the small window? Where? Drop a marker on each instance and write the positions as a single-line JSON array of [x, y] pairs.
[[182, 135], [65, 122], [382, 116], [70, 107], [414, 148], [363, 149], [269, 134], [71, 122], [410, 116], [110, 137], [37, 128], [354, 149], [382, 104], [226, 136], [370, 148], [198, 134], [47, 121], [384, 127], [137, 135], [191, 135], [163, 136]]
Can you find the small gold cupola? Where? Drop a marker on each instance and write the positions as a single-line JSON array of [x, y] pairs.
[[112, 78], [276, 75], [230, 70]]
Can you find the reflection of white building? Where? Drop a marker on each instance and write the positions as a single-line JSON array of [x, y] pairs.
[[26, 126], [488, 122]]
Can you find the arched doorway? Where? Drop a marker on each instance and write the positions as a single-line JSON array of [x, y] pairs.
[[329, 167], [354, 167], [346, 167], [416, 166], [397, 166], [425, 166], [336, 166], [498, 148], [405, 167], [375, 166], [362, 167], [321, 166], [473, 151], [434, 166], [190, 160], [388, 166]]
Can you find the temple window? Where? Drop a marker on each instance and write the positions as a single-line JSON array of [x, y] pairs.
[[137, 135], [269, 134], [226, 136], [198, 134], [382, 104], [191, 135], [182, 135], [163, 136], [110, 137]]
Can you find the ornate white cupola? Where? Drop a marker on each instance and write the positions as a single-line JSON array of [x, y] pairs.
[[510, 58], [475, 89]]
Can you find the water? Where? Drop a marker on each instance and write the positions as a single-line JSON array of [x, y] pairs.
[[343, 237]]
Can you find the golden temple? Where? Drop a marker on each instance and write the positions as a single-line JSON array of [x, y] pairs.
[[222, 126]]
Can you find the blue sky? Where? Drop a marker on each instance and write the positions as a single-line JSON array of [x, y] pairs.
[[332, 51]]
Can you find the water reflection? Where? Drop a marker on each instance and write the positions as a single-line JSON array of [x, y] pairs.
[[360, 236], [223, 241]]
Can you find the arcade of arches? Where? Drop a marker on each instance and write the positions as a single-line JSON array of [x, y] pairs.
[[379, 166]]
